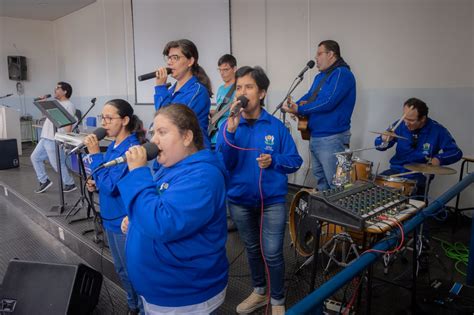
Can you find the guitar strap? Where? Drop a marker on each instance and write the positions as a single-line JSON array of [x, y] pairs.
[[320, 84], [226, 97]]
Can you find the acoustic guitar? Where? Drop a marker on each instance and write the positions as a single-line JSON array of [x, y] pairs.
[[302, 122]]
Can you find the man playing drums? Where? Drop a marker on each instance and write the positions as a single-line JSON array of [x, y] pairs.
[[419, 140]]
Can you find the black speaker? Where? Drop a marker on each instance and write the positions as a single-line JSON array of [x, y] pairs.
[[9, 155], [17, 68], [45, 288]]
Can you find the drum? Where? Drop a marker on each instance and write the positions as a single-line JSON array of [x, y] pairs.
[[361, 169], [405, 185], [303, 226]]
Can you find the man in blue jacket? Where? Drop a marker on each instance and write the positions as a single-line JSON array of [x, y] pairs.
[[427, 142], [328, 106]]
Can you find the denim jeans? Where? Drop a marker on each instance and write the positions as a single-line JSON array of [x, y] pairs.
[[323, 159], [45, 150], [247, 220], [117, 249]]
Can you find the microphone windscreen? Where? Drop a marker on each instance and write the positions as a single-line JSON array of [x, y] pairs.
[[310, 64], [151, 150], [100, 133], [243, 101], [168, 70]]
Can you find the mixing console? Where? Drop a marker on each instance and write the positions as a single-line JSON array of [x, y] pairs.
[[358, 205]]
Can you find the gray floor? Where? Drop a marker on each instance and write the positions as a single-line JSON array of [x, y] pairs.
[[34, 243]]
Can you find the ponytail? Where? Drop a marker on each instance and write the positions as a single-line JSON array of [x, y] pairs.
[[136, 125], [202, 77]]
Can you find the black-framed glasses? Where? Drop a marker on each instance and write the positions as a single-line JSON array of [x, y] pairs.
[[172, 58], [107, 119], [414, 140]]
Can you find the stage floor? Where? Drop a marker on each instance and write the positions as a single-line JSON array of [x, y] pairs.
[[28, 232]]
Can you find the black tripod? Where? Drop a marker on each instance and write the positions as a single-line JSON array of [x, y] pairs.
[[89, 199]]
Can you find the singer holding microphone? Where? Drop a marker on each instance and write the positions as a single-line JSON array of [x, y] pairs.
[[258, 151], [45, 149], [177, 230], [120, 123], [192, 87], [328, 105]]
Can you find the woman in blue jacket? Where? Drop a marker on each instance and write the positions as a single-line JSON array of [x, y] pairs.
[[177, 228], [271, 157], [192, 87], [120, 123]]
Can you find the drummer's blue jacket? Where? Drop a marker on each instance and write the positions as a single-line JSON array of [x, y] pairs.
[[431, 141]]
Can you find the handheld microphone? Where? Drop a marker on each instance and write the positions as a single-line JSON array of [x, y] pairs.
[[8, 95], [100, 134], [151, 75], [41, 97], [152, 152], [243, 103], [309, 65]]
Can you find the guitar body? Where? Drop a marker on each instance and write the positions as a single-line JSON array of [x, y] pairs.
[[303, 127]]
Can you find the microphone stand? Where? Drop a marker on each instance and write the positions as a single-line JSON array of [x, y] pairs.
[[293, 86], [76, 126]]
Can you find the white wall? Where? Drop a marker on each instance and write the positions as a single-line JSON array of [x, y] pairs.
[[397, 49], [34, 40]]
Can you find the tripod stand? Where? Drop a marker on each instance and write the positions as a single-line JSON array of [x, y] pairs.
[[89, 199]]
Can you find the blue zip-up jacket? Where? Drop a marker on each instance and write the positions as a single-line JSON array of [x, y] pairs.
[[177, 233], [330, 113], [269, 136], [112, 209], [194, 95], [433, 141]]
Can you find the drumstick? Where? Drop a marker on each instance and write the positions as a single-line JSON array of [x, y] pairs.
[[403, 174], [401, 119]]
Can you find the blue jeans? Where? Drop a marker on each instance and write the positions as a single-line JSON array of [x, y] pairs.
[[117, 249], [247, 219], [323, 159], [45, 150]]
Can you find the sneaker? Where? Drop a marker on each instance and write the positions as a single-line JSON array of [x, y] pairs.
[[44, 186], [251, 303], [68, 188], [278, 309]]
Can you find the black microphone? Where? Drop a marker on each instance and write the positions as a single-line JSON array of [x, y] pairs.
[[100, 134], [93, 100], [152, 152], [151, 75], [243, 103], [41, 97], [309, 65]]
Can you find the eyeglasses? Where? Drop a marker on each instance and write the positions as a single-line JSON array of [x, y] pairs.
[[107, 119], [414, 140], [322, 52], [224, 69], [172, 58]]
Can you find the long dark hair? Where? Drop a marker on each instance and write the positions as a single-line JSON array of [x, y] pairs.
[[184, 119], [124, 109], [189, 50]]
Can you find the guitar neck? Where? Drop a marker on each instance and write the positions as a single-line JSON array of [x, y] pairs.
[[219, 114]]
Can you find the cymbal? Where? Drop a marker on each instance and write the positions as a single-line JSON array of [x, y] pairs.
[[389, 134], [430, 169]]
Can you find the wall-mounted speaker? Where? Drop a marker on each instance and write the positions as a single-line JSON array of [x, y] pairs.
[[17, 69], [45, 288]]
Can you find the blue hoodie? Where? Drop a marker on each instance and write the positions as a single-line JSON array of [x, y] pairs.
[[269, 136], [433, 141], [112, 209], [194, 95], [177, 233], [330, 113]]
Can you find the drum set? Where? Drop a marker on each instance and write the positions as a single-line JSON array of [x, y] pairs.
[[350, 168]]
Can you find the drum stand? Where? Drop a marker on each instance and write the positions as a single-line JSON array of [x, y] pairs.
[[340, 241]]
